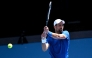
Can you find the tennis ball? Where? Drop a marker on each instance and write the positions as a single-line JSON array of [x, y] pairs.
[[10, 45]]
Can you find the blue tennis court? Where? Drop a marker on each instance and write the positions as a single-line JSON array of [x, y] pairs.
[[79, 48]]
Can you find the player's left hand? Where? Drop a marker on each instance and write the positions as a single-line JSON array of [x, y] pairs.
[[46, 29]]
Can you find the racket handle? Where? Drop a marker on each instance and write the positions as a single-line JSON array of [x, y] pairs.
[[46, 23]]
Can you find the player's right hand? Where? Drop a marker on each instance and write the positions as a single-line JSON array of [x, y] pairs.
[[43, 35], [46, 29]]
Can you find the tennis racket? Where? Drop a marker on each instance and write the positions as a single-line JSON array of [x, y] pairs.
[[48, 14]]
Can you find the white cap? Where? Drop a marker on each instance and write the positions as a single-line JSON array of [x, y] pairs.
[[57, 21]]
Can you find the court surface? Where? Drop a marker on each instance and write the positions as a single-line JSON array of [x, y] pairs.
[[79, 48]]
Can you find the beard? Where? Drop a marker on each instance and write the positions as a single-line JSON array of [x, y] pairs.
[[59, 31]]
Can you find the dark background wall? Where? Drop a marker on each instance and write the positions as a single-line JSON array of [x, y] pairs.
[[30, 16]]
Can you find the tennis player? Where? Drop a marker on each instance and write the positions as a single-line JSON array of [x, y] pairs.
[[57, 42]]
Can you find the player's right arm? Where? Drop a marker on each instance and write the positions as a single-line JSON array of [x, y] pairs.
[[45, 45]]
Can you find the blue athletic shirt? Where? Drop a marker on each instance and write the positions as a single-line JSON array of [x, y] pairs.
[[59, 47]]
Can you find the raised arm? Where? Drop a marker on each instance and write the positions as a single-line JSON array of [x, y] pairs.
[[45, 45]]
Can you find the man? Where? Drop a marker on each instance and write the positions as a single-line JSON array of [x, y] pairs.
[[58, 42]]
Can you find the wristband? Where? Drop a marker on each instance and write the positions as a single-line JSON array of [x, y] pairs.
[[50, 33], [43, 40]]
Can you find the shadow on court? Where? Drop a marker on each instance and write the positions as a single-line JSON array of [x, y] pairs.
[[81, 48]]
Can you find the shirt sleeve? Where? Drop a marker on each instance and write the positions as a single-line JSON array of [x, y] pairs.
[[66, 33]]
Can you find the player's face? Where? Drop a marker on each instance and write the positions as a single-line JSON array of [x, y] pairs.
[[59, 27]]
